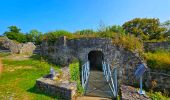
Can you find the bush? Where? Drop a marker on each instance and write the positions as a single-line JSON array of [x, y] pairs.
[[157, 96], [75, 76], [158, 59], [129, 42], [51, 36], [74, 71], [15, 34]]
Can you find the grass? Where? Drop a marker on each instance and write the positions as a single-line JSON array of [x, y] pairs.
[[18, 78], [158, 59], [157, 96], [75, 76]]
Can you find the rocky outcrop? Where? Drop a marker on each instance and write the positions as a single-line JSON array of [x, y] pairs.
[[158, 79], [18, 48]]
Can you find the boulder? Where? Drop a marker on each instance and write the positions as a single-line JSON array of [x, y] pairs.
[[18, 48]]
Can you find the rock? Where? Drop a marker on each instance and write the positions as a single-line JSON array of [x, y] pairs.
[[18, 48], [129, 93]]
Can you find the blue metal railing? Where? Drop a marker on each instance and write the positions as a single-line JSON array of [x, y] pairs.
[[85, 73], [111, 77]]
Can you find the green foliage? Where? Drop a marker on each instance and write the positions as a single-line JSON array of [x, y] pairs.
[[116, 29], [74, 71], [80, 89], [85, 32], [15, 34], [166, 25], [34, 36], [129, 42], [145, 28], [75, 75], [158, 59], [51, 36], [157, 96], [4, 54]]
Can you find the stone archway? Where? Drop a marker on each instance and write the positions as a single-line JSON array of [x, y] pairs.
[[95, 58]]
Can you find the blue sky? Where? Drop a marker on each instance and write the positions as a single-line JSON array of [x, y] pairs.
[[72, 15]]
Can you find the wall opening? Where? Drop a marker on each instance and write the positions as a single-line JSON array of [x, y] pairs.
[[95, 58]]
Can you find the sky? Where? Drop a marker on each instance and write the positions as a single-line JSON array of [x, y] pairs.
[[73, 15]]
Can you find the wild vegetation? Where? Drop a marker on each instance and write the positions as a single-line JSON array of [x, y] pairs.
[[75, 75], [159, 59]]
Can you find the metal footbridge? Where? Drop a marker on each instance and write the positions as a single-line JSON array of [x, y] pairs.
[[99, 83]]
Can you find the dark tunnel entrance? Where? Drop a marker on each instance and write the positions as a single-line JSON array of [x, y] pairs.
[[95, 58]]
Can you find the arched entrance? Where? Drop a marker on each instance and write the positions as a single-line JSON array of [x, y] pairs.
[[95, 58], [97, 85]]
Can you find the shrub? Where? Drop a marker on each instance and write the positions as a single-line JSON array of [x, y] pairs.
[[157, 96], [129, 42], [158, 59], [74, 71], [51, 36], [75, 76], [15, 34]]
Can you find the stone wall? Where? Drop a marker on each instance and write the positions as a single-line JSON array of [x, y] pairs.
[[160, 77], [152, 46], [64, 90], [64, 50]]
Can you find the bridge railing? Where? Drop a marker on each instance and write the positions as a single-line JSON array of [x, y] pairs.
[[111, 77], [85, 73]]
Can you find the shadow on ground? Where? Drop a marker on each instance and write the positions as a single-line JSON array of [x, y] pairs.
[[37, 91]]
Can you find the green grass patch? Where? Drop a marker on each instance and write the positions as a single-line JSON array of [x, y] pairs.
[[157, 96], [2, 54], [75, 76], [19, 76], [158, 59]]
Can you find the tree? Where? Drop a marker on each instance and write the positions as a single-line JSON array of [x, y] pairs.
[[34, 36], [14, 29], [145, 28], [15, 34], [85, 32], [116, 29], [51, 36], [166, 25]]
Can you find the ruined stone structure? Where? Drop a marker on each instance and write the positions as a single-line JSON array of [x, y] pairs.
[[65, 90], [18, 48], [152, 46], [95, 50]]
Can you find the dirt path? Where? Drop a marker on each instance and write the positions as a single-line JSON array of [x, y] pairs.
[[91, 98], [1, 66]]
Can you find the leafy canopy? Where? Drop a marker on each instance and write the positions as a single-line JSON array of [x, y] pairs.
[[34, 36], [15, 34], [145, 28], [51, 36]]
